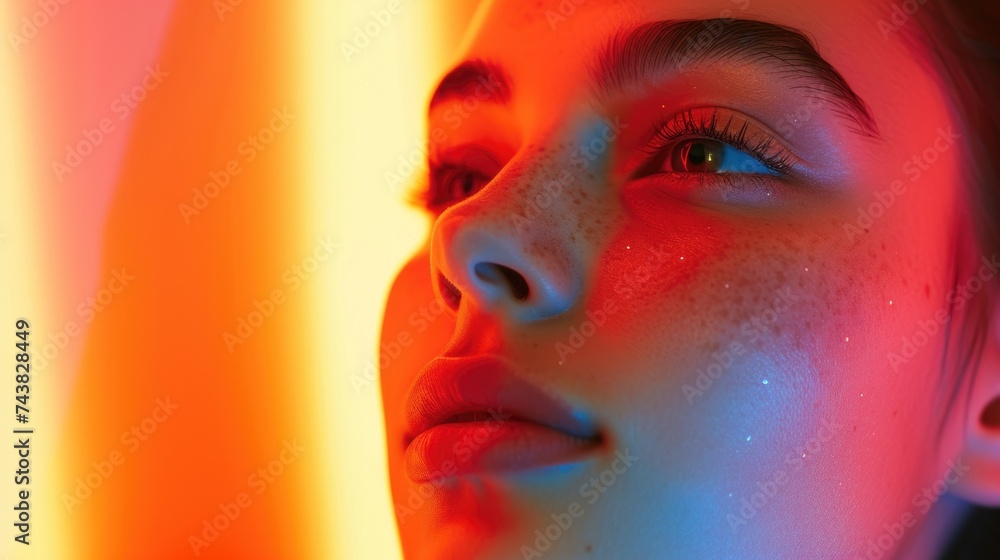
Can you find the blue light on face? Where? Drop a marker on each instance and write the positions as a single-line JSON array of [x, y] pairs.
[[595, 144], [735, 160]]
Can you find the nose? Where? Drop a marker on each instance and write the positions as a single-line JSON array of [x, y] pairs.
[[491, 253]]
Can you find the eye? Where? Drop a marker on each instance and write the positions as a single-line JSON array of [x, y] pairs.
[[458, 174], [704, 155], [714, 155], [714, 141], [453, 183]]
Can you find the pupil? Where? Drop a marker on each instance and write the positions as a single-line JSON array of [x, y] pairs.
[[696, 155], [467, 184]]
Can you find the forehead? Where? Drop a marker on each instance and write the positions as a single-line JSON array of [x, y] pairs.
[[548, 47], [547, 24]]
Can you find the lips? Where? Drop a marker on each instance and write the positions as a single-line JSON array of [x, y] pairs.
[[469, 416]]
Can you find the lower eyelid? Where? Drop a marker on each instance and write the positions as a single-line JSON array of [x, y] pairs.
[[735, 189]]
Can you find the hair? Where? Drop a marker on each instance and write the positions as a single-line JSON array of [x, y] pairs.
[[961, 37], [959, 40], [956, 42]]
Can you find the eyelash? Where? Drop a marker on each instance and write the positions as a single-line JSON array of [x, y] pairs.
[[422, 195], [689, 124], [429, 195], [430, 191]]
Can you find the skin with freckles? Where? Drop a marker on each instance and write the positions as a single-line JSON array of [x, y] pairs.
[[740, 339]]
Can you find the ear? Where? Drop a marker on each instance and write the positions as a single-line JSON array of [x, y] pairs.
[[980, 484]]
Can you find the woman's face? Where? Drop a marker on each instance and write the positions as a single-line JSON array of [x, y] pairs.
[[688, 277]]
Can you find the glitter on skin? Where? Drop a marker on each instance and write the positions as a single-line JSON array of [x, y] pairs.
[[671, 324]]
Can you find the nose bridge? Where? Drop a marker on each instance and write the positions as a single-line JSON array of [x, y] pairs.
[[562, 185], [516, 245], [544, 193]]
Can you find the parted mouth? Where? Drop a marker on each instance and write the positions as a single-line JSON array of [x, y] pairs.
[[476, 415], [481, 389]]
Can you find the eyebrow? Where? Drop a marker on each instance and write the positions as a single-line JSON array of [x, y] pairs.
[[485, 80], [637, 56]]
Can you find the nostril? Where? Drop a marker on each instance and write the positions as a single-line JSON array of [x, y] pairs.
[[498, 274], [449, 293], [518, 285]]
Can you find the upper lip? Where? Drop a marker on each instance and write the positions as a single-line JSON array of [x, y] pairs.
[[448, 388]]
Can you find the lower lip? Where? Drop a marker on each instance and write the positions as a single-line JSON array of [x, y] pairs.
[[469, 448]]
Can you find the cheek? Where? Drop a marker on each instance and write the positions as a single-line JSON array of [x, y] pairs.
[[772, 341], [415, 329], [702, 285]]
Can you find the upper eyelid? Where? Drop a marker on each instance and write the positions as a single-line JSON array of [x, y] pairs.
[[482, 160], [695, 123]]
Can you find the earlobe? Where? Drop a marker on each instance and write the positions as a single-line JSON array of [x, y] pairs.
[[981, 448]]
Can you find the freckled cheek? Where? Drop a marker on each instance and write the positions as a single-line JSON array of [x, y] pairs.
[[657, 253], [818, 350]]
